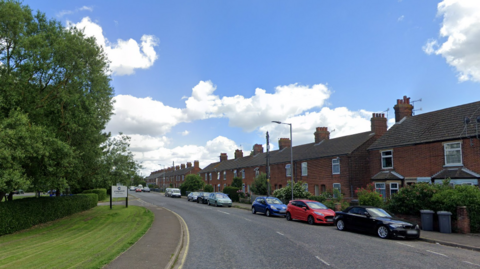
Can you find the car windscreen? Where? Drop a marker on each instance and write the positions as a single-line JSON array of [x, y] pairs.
[[274, 201], [205, 194], [194, 193], [221, 196], [316, 205], [378, 212], [176, 191]]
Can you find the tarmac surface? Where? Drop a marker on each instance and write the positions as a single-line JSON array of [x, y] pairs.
[[165, 244]]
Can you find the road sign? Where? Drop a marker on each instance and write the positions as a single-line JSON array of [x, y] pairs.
[[119, 192]]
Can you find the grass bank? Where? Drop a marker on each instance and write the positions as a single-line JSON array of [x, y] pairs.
[[88, 239]]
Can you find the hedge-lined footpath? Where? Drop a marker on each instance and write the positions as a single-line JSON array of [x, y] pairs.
[[24, 213], [102, 193]]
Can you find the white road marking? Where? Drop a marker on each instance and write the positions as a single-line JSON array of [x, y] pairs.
[[437, 253], [322, 261], [280, 233], [246, 219], [223, 212], [405, 244], [472, 263]]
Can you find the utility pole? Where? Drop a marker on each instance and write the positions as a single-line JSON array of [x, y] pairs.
[[268, 165]]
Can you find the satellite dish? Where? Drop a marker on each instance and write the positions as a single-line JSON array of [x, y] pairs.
[[466, 120]]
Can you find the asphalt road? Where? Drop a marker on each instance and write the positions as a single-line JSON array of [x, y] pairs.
[[222, 237]]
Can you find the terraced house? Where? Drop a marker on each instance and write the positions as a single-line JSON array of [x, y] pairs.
[[173, 176], [341, 163], [429, 147]]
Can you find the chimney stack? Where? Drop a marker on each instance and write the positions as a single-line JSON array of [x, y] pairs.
[[257, 148], [284, 143], [196, 164], [238, 154], [189, 164], [403, 108], [322, 133], [177, 168], [379, 124], [223, 157], [182, 166]]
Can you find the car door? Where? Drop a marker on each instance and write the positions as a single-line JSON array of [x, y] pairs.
[[358, 220], [301, 212], [261, 205], [365, 222]]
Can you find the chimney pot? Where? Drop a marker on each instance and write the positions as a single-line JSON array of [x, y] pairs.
[[322, 133], [238, 154], [223, 157]]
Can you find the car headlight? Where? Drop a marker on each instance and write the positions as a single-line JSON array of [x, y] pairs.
[[274, 208], [393, 225], [320, 214], [417, 227]]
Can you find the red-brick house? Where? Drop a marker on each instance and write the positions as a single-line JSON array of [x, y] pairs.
[[429, 147], [173, 175], [323, 165]]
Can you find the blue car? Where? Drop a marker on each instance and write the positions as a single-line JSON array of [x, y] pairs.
[[270, 206]]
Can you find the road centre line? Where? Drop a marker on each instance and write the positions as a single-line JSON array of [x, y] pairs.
[[405, 244], [437, 253], [246, 219], [280, 233], [472, 263], [223, 212], [322, 261]]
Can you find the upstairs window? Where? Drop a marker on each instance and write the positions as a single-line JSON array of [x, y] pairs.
[[387, 159], [304, 169], [183, 177], [256, 172], [453, 153], [218, 175], [235, 173], [243, 173], [336, 166], [210, 176], [288, 171]]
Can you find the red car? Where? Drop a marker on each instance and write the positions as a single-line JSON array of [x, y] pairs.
[[138, 190], [310, 211]]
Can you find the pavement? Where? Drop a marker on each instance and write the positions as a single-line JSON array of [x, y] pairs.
[[165, 245]]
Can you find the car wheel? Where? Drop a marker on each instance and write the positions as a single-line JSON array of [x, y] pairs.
[[253, 210], [340, 225], [288, 216], [267, 213], [383, 232], [311, 221], [216, 204]]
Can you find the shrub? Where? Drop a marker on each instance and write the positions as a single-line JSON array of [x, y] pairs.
[[285, 193], [469, 196], [208, 188], [232, 192], [319, 198], [259, 185], [25, 213], [237, 182], [411, 199], [102, 193], [368, 196]]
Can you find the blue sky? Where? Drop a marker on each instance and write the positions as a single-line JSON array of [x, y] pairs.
[[193, 79]]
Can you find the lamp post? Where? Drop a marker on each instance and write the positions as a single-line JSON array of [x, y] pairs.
[[163, 176], [291, 151]]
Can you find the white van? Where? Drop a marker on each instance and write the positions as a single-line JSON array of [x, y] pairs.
[[175, 193]]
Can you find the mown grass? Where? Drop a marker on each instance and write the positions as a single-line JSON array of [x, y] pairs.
[[89, 239]]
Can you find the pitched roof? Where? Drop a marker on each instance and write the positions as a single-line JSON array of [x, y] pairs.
[[331, 147], [455, 172], [387, 175], [440, 125]]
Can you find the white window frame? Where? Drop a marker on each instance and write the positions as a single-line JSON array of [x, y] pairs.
[[337, 186], [257, 172], [385, 157], [183, 177], [210, 176], [392, 188], [225, 175], [304, 169], [336, 163], [235, 173], [381, 190], [288, 170], [305, 186], [445, 150], [243, 173]]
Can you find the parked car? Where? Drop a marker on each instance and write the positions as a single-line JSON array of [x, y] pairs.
[[168, 192], [219, 199], [132, 188], [203, 198], [18, 192], [377, 221], [175, 193], [146, 189], [310, 211], [138, 190], [192, 196], [270, 206]]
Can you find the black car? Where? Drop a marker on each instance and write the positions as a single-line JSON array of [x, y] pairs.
[[203, 197], [375, 220]]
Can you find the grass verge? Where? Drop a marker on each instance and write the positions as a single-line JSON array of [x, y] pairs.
[[89, 239]]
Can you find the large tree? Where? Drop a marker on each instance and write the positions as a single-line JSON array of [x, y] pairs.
[[54, 82]]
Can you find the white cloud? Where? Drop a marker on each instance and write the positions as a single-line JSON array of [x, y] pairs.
[[184, 133], [86, 8], [66, 12], [401, 18], [461, 29], [125, 55]]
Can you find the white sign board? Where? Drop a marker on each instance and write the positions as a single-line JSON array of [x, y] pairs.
[[119, 192]]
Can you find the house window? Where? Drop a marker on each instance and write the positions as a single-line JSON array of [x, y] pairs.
[[305, 186], [393, 189], [336, 166], [243, 187], [453, 153], [224, 185], [206, 176], [256, 172], [243, 173], [235, 173], [288, 171], [218, 175], [210, 176], [338, 187], [304, 169], [248, 188], [380, 188], [224, 175], [183, 177], [387, 159], [323, 188]]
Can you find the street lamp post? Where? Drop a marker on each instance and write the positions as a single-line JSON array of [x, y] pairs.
[[291, 152]]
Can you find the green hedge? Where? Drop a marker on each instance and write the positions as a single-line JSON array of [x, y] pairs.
[[21, 214], [319, 198], [102, 193], [232, 193]]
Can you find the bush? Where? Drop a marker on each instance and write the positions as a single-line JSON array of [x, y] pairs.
[[24, 213], [411, 199], [102, 193], [260, 186], [469, 196], [208, 188], [285, 193], [319, 198], [368, 196], [232, 192], [237, 182]]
